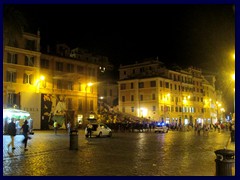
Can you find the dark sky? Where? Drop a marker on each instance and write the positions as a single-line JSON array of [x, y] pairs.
[[188, 35], [125, 33]]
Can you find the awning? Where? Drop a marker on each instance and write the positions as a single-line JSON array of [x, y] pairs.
[[15, 113]]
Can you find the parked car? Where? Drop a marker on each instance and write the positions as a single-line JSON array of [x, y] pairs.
[[161, 128], [99, 130]]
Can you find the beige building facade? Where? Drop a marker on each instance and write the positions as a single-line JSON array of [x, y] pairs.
[[48, 86], [149, 90]]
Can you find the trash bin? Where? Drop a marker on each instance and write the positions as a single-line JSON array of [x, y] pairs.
[[233, 136], [225, 162], [73, 140]]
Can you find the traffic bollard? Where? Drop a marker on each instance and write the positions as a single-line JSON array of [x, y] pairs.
[[73, 140]]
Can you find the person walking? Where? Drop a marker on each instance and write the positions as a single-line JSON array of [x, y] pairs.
[[12, 132], [55, 126], [25, 130], [89, 130], [69, 127]]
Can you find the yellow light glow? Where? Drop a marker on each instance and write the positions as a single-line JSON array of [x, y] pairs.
[[42, 78], [233, 76], [89, 84], [142, 112]]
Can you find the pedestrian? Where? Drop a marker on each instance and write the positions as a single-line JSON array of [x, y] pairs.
[[69, 127], [199, 129], [55, 126], [25, 131], [89, 130], [11, 129], [219, 128]]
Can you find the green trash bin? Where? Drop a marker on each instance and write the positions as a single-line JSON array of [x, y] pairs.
[[73, 140], [225, 162]]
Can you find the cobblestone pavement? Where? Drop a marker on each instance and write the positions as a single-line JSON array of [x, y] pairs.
[[125, 154]]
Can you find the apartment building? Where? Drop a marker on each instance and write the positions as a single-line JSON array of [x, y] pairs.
[[48, 86], [72, 80], [21, 69], [149, 90]]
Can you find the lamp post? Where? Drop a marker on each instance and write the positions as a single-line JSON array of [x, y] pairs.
[[86, 103]]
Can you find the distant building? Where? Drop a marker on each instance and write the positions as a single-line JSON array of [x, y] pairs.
[[148, 89]]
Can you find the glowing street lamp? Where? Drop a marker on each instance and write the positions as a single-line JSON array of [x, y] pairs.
[[39, 82]]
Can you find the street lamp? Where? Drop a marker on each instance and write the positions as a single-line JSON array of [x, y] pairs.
[[86, 104], [39, 82]]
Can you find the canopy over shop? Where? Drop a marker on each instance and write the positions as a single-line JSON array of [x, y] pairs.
[[19, 116]]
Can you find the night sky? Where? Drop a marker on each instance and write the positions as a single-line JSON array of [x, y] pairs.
[[187, 35], [126, 33]]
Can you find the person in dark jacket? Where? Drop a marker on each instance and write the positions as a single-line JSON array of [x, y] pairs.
[[12, 132], [25, 130]]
